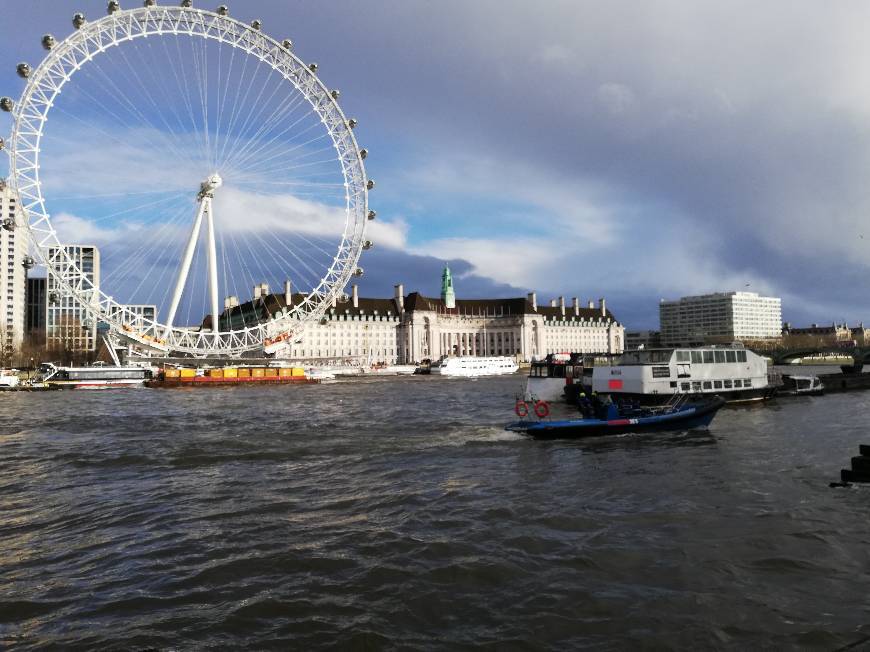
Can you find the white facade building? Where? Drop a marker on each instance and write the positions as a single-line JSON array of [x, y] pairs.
[[723, 316], [13, 262], [68, 326], [413, 328]]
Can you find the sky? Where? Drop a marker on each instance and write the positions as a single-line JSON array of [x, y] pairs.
[[633, 151]]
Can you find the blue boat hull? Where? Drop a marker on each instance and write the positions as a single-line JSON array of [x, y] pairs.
[[696, 416]]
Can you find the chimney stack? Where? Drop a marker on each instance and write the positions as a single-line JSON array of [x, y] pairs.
[[533, 299], [355, 295], [552, 303], [400, 298], [591, 304], [257, 291], [562, 305], [288, 294], [603, 307], [576, 305]]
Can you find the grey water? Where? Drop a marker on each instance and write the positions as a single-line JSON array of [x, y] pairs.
[[397, 513]]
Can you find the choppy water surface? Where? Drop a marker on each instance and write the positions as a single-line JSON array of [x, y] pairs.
[[398, 513]]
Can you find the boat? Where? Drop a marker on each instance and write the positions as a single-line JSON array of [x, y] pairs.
[[95, 377], [394, 370], [227, 376], [801, 386], [680, 415], [556, 377], [8, 380], [471, 366], [654, 375]]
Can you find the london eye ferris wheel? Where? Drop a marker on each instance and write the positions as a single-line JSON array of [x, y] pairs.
[[205, 159]]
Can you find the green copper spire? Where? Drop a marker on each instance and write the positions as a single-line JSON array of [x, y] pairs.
[[447, 295]]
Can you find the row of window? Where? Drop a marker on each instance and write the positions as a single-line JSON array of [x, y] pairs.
[[709, 385], [708, 357]]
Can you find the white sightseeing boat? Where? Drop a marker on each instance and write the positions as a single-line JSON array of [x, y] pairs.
[[732, 372], [96, 377], [8, 380], [471, 366]]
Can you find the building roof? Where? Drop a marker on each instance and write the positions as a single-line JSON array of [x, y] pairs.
[[272, 303]]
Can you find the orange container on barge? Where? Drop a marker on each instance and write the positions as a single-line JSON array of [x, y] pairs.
[[223, 376]]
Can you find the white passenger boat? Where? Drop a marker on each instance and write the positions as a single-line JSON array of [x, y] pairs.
[[471, 367], [732, 372], [8, 380], [553, 378], [802, 385], [394, 370], [96, 377]]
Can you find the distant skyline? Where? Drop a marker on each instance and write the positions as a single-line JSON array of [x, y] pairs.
[[625, 150]]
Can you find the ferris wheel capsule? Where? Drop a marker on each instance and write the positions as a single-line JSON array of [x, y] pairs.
[[113, 6], [352, 123], [287, 43], [371, 184], [312, 67], [2, 144], [6, 104], [149, 3], [335, 93], [256, 24], [372, 215], [78, 20], [23, 70], [186, 3], [48, 41], [368, 244], [363, 153], [223, 10], [358, 272]]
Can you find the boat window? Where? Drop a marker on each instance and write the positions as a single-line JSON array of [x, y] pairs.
[[741, 356], [683, 356], [674, 384], [685, 387], [717, 384], [696, 386], [738, 383], [720, 356], [747, 382], [708, 357], [727, 384], [708, 384], [731, 356], [697, 358]]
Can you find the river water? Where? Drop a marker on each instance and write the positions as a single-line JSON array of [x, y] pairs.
[[389, 513]]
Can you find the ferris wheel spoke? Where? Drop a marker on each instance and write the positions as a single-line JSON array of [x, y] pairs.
[[145, 245], [160, 242], [182, 86], [185, 86], [121, 95], [267, 165], [199, 57], [155, 109], [278, 114], [239, 160], [234, 115]]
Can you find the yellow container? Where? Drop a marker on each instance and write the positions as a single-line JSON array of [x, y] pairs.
[[257, 372], [298, 372], [244, 373], [171, 373], [271, 373], [187, 373], [231, 372], [216, 373]]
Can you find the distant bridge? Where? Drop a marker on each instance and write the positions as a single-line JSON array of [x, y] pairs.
[[859, 355]]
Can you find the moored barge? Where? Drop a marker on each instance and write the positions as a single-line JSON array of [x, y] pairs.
[[224, 376]]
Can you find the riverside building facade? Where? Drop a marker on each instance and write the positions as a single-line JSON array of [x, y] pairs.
[[411, 328], [68, 326], [14, 262], [719, 317]]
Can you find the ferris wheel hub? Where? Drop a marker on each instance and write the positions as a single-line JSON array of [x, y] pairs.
[[207, 187]]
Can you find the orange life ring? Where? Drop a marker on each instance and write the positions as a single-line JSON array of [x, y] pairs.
[[542, 409], [521, 409]]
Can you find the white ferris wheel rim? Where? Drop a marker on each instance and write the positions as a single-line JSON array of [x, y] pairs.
[[68, 56]]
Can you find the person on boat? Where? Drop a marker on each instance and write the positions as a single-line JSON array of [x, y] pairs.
[[586, 407]]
